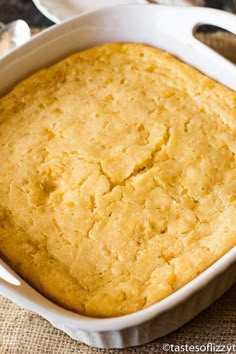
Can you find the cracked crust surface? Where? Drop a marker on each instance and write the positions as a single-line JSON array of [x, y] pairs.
[[117, 178]]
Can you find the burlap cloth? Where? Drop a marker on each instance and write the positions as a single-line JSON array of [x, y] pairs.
[[23, 332]]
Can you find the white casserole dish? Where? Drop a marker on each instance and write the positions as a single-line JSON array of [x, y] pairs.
[[168, 28]]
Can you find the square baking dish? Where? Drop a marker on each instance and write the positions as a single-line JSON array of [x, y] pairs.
[[170, 29]]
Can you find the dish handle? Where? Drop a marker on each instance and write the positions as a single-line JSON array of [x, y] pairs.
[[17, 290], [183, 22], [8, 278]]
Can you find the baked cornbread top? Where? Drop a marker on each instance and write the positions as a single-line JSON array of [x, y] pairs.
[[117, 178]]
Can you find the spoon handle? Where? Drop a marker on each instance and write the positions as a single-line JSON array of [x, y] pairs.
[[2, 27]]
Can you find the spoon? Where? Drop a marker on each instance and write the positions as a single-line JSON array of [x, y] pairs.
[[13, 34]]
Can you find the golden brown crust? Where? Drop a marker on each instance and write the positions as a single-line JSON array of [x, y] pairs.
[[117, 178]]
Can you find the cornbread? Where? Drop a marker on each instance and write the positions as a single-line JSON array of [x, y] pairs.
[[117, 178]]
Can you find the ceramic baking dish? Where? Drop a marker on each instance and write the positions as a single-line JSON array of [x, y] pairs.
[[171, 29]]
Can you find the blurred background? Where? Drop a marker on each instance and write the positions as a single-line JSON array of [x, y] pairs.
[[11, 10], [25, 9]]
